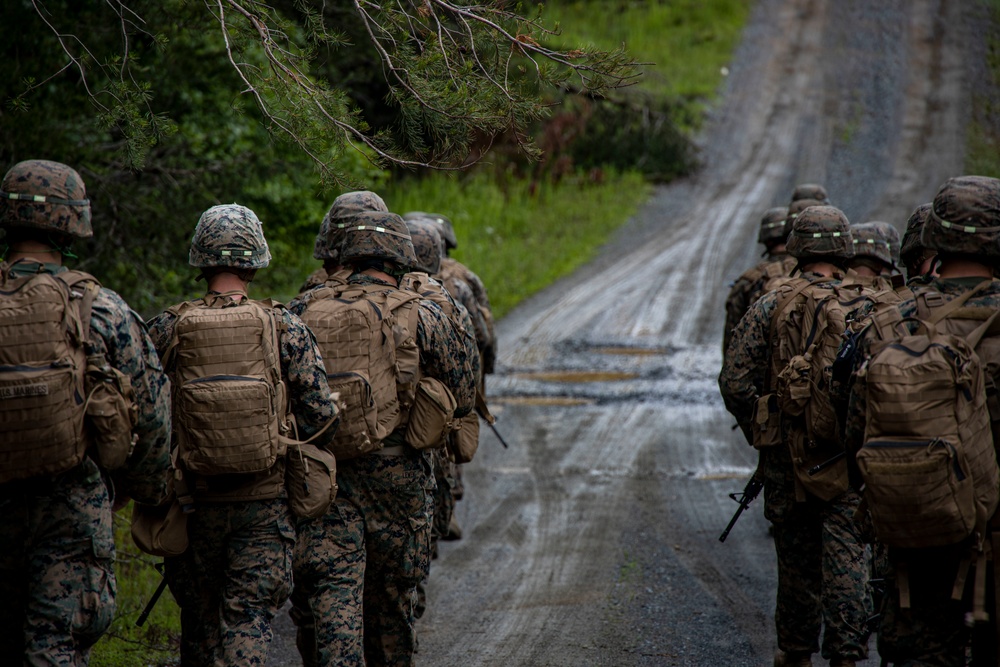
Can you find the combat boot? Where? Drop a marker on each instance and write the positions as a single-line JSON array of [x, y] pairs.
[[792, 659]]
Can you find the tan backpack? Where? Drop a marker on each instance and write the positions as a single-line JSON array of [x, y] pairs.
[[230, 402], [44, 326], [928, 459], [367, 336], [808, 335]]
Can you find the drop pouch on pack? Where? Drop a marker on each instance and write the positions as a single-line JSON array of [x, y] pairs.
[[463, 443], [432, 416], [766, 422], [794, 385], [160, 530], [111, 413], [310, 480]]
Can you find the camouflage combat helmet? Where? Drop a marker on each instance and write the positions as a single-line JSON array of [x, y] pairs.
[[965, 217], [346, 206], [427, 245], [795, 208], [821, 231], [811, 191], [375, 235], [445, 227], [774, 226], [229, 235], [912, 250], [876, 239], [45, 195]]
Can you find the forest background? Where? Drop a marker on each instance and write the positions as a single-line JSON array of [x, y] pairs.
[[170, 129]]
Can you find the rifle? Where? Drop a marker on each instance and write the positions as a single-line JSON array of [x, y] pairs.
[[148, 609], [484, 413], [826, 464], [750, 492]]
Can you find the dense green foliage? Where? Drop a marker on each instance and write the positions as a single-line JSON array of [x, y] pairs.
[[983, 140]]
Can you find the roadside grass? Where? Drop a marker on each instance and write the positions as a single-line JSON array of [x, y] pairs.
[[983, 140], [519, 237], [686, 43], [156, 643]]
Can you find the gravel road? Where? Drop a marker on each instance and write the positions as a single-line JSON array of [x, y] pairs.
[[593, 540]]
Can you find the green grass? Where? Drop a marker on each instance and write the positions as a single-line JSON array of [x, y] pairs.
[[518, 241], [686, 42], [156, 642], [983, 139]]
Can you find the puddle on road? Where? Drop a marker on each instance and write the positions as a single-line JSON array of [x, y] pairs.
[[541, 400], [630, 351], [577, 376]]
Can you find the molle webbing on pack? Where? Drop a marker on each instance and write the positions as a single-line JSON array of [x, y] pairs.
[[928, 459], [44, 326], [371, 359], [230, 404]]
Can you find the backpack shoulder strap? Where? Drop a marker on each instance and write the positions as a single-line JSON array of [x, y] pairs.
[[937, 313], [787, 300]]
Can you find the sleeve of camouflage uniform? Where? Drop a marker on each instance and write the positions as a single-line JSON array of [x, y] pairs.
[[129, 348], [744, 369], [736, 307], [485, 312], [308, 391], [444, 356], [462, 295]]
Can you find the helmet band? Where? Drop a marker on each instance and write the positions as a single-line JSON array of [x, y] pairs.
[[42, 199]]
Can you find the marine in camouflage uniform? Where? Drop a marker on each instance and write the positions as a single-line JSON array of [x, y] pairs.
[[57, 549], [331, 234], [237, 571], [774, 228], [392, 488], [814, 191], [822, 568], [917, 259], [960, 227], [429, 249], [329, 552], [461, 282]]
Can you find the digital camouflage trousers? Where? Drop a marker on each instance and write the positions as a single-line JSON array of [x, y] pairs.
[[57, 553], [394, 495], [229, 584]]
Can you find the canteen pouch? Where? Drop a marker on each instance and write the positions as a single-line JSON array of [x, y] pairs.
[[431, 416], [766, 422], [111, 412], [463, 443], [310, 480], [160, 530]]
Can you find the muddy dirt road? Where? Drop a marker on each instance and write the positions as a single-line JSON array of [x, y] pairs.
[[593, 540]]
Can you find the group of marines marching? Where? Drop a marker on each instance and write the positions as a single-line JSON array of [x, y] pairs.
[[236, 429], [309, 453], [863, 537]]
